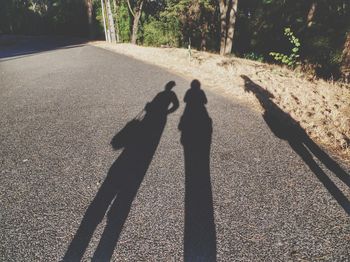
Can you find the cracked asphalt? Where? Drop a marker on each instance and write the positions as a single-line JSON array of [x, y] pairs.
[[60, 105]]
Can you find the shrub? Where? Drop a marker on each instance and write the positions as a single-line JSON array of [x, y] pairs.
[[124, 23], [254, 56], [291, 59], [157, 33]]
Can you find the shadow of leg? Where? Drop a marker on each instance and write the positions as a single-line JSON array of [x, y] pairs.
[[285, 127], [93, 216], [332, 188], [117, 216], [200, 236], [328, 161]]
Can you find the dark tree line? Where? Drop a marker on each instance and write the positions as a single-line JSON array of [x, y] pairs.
[[36, 17], [249, 28]]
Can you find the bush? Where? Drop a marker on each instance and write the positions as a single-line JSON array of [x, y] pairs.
[[292, 58], [254, 56], [124, 24], [157, 33]]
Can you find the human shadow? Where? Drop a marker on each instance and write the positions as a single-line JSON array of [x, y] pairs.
[[285, 127], [196, 132], [139, 140]]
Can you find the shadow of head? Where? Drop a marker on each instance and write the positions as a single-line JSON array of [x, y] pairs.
[[170, 85], [195, 96], [251, 87], [195, 84], [281, 123]]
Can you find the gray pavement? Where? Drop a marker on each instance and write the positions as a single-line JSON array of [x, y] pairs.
[[264, 199]]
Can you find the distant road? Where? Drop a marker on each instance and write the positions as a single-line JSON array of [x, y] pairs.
[[65, 194]]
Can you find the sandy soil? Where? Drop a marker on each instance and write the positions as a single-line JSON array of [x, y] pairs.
[[320, 107]]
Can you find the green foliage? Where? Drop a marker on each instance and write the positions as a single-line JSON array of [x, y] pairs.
[[43, 17], [98, 17], [291, 59], [164, 32], [124, 23], [254, 56], [197, 21], [259, 25]]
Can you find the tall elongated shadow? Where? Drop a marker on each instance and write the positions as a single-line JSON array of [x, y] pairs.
[[139, 140], [196, 131], [285, 127]]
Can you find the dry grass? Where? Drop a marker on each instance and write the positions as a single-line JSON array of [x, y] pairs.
[[321, 108]]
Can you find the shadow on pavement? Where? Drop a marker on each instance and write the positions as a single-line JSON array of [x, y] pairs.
[[14, 47], [196, 131], [285, 127], [139, 140]]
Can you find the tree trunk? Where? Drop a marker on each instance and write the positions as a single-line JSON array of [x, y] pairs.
[[135, 25], [115, 5], [117, 31], [228, 11], [110, 21], [222, 26], [204, 36], [345, 65], [104, 22], [231, 27], [89, 15], [311, 14]]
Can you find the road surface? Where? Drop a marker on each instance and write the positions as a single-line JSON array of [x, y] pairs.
[[244, 193]]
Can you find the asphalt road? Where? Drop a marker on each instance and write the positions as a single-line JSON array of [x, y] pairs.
[[244, 194]]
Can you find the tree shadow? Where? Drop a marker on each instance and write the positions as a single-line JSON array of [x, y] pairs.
[[285, 127], [139, 140], [20, 47], [196, 131]]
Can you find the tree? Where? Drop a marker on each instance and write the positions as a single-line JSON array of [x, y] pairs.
[[111, 27], [89, 9], [197, 20], [228, 13], [137, 15], [311, 14], [115, 18]]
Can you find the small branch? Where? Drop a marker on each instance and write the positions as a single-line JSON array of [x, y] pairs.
[[128, 1]]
